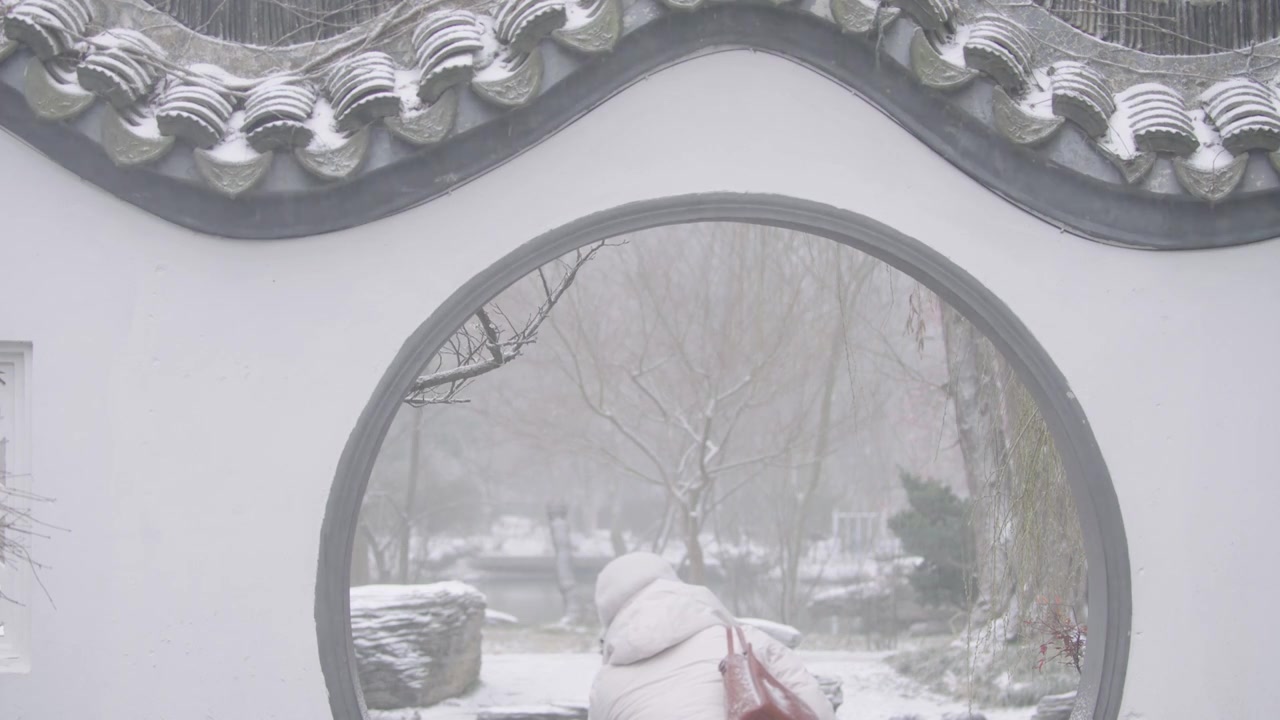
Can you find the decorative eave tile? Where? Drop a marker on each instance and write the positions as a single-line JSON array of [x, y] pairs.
[[427, 126], [1034, 74], [335, 163], [932, 69], [128, 145], [51, 98], [232, 177]]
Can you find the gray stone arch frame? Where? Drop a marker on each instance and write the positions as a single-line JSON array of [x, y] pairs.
[[1106, 548]]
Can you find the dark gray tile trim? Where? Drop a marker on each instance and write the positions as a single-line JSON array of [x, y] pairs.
[[1110, 610], [1079, 203]]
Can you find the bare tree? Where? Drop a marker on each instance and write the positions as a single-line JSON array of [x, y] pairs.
[[1024, 518], [392, 527], [561, 542], [494, 339], [705, 385], [410, 507], [977, 372], [844, 276], [1046, 554]]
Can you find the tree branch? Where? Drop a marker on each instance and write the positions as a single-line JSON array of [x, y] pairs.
[[466, 347]]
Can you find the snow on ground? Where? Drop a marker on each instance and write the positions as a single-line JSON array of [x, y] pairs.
[[515, 679], [875, 691], [872, 689]]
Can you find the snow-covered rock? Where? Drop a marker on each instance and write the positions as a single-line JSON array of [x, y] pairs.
[[494, 617], [848, 599], [416, 644], [1055, 707], [833, 688], [784, 634], [534, 712], [926, 628]]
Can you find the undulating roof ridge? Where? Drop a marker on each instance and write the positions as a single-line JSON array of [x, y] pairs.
[[409, 68]]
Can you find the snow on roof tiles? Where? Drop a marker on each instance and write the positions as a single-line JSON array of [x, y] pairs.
[[319, 104]]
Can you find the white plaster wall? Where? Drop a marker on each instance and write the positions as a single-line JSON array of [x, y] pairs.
[[192, 395]]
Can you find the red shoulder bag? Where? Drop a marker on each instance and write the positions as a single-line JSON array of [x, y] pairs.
[[752, 693]]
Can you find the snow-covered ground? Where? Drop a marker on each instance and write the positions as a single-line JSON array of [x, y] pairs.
[[872, 689], [875, 691]]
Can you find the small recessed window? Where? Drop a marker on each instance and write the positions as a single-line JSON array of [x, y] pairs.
[[15, 502]]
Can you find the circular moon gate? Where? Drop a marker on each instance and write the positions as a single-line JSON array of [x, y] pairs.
[[1106, 549]]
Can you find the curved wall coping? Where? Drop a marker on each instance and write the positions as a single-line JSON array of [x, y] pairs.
[[1118, 146]]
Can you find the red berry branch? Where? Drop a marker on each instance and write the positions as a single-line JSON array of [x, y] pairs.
[[1064, 638]]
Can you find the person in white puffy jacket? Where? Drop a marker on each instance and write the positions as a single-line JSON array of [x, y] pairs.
[[662, 645]]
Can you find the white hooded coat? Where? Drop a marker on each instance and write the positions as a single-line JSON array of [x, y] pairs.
[[663, 644]]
